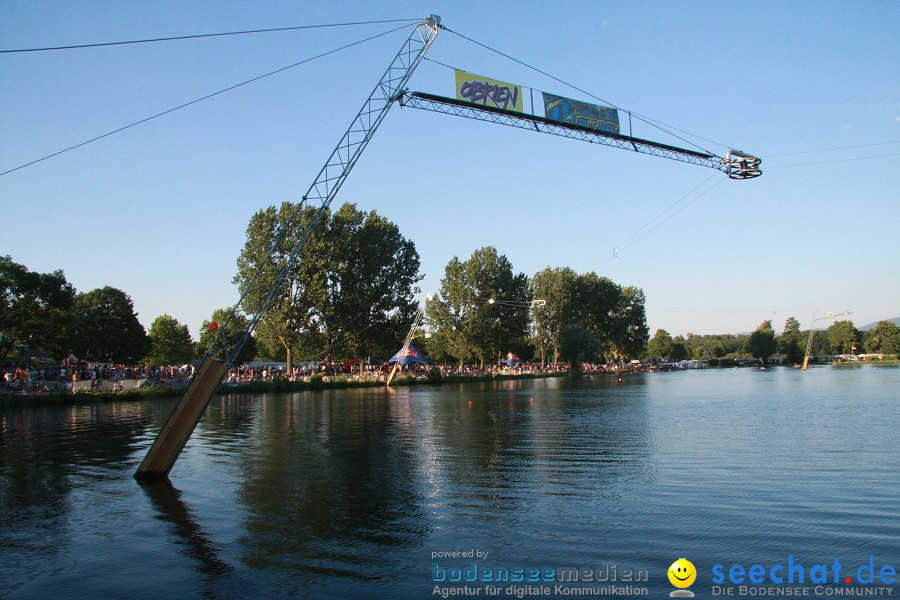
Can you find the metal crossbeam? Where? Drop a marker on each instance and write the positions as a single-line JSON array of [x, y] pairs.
[[500, 116]]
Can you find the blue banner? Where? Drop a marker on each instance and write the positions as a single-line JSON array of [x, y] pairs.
[[585, 114]]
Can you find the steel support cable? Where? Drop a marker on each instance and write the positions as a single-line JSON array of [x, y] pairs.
[[631, 239], [198, 100], [624, 242], [768, 156], [416, 323], [697, 197], [749, 311], [825, 162], [437, 62], [205, 35], [648, 120]]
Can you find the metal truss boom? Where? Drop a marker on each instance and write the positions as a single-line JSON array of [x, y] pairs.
[[339, 164], [737, 165]]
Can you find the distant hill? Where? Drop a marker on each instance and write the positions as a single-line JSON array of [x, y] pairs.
[[895, 321]]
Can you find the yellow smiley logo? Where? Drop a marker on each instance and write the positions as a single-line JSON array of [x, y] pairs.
[[682, 573]]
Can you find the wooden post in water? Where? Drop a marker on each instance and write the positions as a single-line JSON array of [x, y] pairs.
[[396, 368], [183, 420]]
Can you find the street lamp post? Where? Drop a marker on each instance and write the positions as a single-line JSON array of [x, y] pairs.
[[828, 315]]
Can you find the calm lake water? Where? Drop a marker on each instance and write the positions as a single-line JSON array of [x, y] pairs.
[[347, 494]]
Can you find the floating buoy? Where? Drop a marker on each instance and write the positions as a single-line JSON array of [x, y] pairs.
[[532, 400], [213, 325]]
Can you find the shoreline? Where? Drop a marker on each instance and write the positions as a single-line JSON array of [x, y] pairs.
[[316, 384]]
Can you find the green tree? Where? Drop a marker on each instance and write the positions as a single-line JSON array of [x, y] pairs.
[[449, 315], [578, 345], [596, 301], [366, 304], [843, 337], [280, 230], [230, 336], [821, 346], [171, 342], [34, 310], [660, 345], [884, 338], [679, 349], [350, 291], [762, 341], [106, 328], [613, 314], [629, 332], [789, 341], [557, 287], [701, 347], [470, 316]]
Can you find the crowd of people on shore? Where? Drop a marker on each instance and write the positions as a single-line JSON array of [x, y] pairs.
[[73, 375], [356, 371], [66, 375], [643, 367], [37, 378]]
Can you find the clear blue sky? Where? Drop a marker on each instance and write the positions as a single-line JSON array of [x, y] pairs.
[[160, 211]]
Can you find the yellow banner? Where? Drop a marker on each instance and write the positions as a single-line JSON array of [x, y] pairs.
[[488, 92]]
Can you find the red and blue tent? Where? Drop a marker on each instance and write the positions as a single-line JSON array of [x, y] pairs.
[[511, 359], [408, 354]]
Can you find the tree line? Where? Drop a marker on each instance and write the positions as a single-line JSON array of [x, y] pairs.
[[42, 316], [352, 293], [842, 337]]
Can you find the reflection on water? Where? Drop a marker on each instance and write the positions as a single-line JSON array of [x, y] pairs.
[[166, 500], [347, 494], [46, 453], [329, 487]]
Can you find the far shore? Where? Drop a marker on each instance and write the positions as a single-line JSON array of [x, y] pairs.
[[319, 383], [258, 387]]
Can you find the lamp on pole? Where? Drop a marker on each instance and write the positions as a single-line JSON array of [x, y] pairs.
[[523, 303], [828, 315], [529, 304]]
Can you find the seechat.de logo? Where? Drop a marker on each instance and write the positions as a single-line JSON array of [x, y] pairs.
[[682, 574]]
